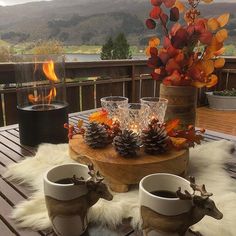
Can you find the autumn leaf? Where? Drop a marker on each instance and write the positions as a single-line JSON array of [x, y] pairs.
[[219, 63], [180, 6], [154, 42], [219, 52], [156, 2], [222, 35], [213, 79], [179, 143], [155, 12], [174, 14], [208, 1], [80, 123], [169, 3], [151, 24], [223, 19], [213, 24], [100, 117], [171, 125]]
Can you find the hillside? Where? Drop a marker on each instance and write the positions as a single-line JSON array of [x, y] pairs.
[[85, 21]]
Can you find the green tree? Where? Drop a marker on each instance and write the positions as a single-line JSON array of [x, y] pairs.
[[107, 50], [121, 49]]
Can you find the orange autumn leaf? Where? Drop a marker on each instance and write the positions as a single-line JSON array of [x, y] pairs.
[[154, 42], [208, 1], [219, 52], [180, 6], [100, 117], [179, 143], [223, 19], [213, 24], [80, 123], [219, 63], [198, 84], [222, 35], [207, 66], [147, 51], [213, 81], [171, 125]]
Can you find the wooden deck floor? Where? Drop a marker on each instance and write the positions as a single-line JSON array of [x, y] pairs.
[[220, 121]]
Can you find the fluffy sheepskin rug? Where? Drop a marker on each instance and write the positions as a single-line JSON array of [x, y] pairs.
[[207, 164]]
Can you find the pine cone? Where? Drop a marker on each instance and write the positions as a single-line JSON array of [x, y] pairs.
[[155, 139], [96, 135], [127, 143]]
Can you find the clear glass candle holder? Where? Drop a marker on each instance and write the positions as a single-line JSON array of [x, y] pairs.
[[111, 105], [134, 116], [157, 106]]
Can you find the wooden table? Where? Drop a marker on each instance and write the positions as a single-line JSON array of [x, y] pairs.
[[11, 151]]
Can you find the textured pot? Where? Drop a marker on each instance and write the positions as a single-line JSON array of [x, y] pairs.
[[63, 199], [227, 103], [182, 103]]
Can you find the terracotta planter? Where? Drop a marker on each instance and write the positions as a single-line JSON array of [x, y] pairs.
[[182, 103]]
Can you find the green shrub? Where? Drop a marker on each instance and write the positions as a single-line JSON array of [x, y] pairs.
[[231, 93]]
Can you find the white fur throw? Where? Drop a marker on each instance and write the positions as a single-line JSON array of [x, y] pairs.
[[206, 164]]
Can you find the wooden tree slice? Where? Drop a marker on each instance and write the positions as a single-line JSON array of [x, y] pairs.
[[121, 172]]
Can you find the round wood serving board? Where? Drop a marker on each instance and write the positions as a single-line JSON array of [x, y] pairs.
[[121, 172]]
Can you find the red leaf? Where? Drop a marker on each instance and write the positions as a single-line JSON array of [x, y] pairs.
[[174, 14], [206, 37], [180, 39], [164, 18], [156, 76], [169, 3], [155, 12], [153, 51], [172, 65], [151, 24], [164, 56], [156, 2]]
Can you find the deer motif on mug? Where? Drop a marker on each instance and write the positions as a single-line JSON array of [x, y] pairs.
[[202, 206], [79, 206]]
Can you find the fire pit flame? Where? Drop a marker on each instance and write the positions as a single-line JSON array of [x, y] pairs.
[[48, 69]]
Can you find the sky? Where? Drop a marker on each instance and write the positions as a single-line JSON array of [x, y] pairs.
[[14, 2]]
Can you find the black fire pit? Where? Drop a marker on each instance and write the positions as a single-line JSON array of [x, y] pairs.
[[42, 124], [41, 98]]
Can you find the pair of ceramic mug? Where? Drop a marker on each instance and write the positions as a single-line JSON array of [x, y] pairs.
[[64, 200]]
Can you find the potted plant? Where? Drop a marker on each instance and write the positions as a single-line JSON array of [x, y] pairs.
[[188, 55], [222, 100]]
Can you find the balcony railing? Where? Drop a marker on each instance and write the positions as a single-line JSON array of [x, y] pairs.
[[87, 82]]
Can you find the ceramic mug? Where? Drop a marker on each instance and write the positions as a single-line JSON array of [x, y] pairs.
[[162, 205], [63, 199]]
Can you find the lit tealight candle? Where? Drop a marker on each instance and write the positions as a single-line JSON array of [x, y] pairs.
[[134, 128]]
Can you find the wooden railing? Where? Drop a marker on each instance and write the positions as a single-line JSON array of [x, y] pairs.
[[128, 78]]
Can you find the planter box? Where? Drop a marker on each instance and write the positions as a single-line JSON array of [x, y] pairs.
[[221, 102]]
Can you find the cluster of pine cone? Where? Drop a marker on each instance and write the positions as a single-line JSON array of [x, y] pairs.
[[154, 139]]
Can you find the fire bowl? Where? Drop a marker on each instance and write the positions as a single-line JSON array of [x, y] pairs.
[[42, 123]]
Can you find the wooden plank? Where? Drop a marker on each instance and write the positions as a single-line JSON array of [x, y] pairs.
[[147, 88], [10, 108], [1, 111], [87, 97], [5, 231], [73, 98], [11, 146], [16, 140], [117, 89], [220, 121], [5, 211], [103, 90]]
